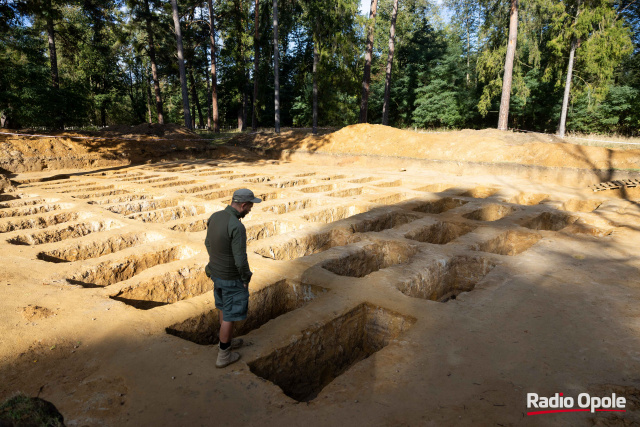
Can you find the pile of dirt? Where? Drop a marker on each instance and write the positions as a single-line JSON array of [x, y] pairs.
[[166, 131], [487, 146], [35, 312], [115, 146]]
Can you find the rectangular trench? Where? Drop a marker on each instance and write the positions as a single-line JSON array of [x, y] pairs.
[[108, 273], [323, 353], [97, 249], [371, 258], [72, 231], [268, 303], [444, 280], [168, 214], [39, 222], [305, 244], [167, 288]]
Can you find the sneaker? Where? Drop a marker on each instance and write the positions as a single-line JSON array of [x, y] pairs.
[[226, 357]]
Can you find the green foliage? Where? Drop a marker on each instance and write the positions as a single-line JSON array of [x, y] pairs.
[[443, 75]]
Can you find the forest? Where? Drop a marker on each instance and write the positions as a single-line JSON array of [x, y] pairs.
[[249, 64]]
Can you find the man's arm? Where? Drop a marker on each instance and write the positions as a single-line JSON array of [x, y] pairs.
[[239, 249], [206, 240]]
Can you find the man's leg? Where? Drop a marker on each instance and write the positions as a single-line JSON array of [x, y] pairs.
[[226, 333], [226, 330]]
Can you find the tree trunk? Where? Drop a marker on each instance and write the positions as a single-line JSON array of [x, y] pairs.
[[316, 59], [567, 85], [276, 65], [194, 96], [149, 118], [154, 67], [256, 48], [183, 74], [567, 90], [366, 79], [468, 52], [214, 79], [503, 117], [53, 57], [206, 79], [387, 81]]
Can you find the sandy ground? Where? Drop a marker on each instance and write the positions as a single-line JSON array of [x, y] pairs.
[[384, 294]]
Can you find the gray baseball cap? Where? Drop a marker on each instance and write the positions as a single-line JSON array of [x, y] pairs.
[[244, 195]]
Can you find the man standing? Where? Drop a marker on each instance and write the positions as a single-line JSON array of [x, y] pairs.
[[228, 267]]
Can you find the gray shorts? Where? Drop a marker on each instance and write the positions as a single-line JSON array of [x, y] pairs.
[[232, 298]]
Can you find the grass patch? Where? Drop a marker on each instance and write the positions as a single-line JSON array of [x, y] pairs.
[[22, 410]]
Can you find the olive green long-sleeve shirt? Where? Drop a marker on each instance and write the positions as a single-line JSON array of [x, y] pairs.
[[226, 243]]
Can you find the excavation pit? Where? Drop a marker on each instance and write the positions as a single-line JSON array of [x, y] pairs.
[[436, 188], [348, 192], [370, 258], [109, 273], [322, 353], [383, 222], [489, 213], [364, 180], [392, 199], [319, 188], [306, 244], [213, 171], [290, 183], [79, 189], [121, 199], [480, 192], [271, 196], [295, 205], [97, 249], [20, 203], [65, 184], [217, 194], [70, 232], [268, 229], [440, 233], [199, 225], [100, 194], [260, 179], [396, 183], [334, 214], [577, 205], [139, 178], [439, 206], [154, 180], [169, 214], [174, 184], [444, 280], [32, 210], [264, 305], [40, 222], [168, 288], [528, 199], [550, 221], [199, 188], [511, 243], [142, 206]]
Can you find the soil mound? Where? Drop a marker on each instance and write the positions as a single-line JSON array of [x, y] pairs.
[[489, 145], [167, 131], [114, 146]]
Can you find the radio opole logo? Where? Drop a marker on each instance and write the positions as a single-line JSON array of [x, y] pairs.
[[584, 403]]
